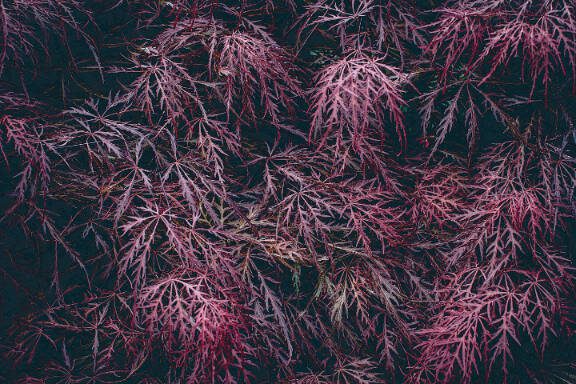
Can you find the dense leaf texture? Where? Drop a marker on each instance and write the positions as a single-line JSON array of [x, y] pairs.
[[319, 191]]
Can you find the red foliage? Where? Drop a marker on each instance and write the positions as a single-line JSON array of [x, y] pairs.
[[328, 191]]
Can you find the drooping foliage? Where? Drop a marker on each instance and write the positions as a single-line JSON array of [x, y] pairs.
[[320, 191]]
